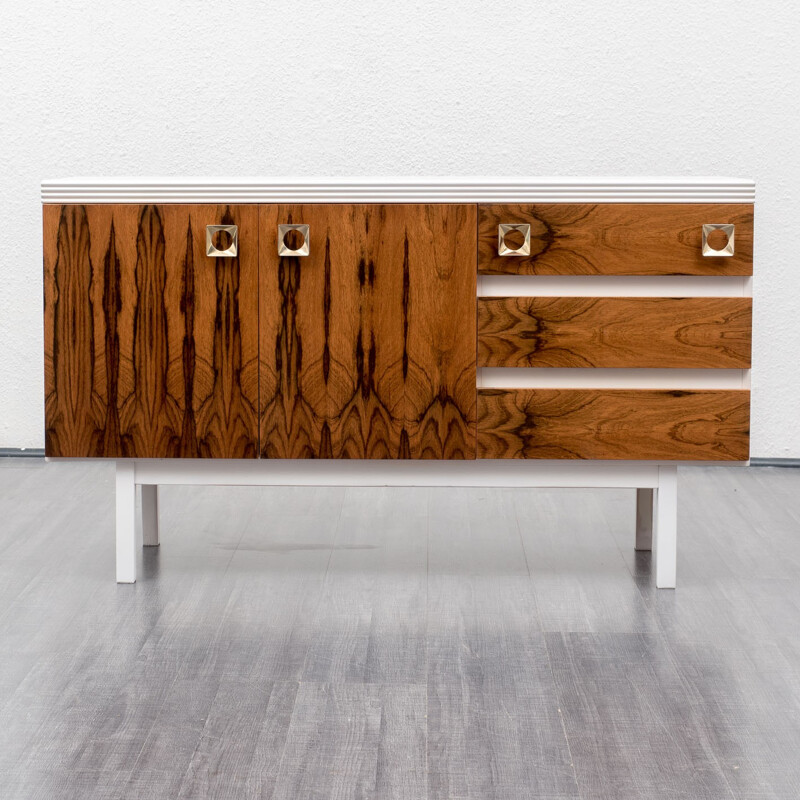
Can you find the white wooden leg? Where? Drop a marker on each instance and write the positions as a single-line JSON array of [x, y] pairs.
[[126, 523], [150, 515], [644, 519], [666, 527]]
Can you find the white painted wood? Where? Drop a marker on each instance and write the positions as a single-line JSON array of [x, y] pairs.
[[658, 479], [644, 519], [614, 286], [599, 378], [665, 527], [126, 522], [398, 190], [150, 515], [319, 472]]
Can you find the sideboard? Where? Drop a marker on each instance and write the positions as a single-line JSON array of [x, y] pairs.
[[537, 332]]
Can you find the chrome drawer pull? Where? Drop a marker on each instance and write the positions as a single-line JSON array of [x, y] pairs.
[[520, 231], [283, 232], [708, 250], [232, 250]]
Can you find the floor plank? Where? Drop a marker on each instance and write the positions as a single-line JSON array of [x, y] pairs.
[[398, 643], [629, 721]]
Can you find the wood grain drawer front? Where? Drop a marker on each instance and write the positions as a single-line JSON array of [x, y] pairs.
[[708, 425], [701, 332], [616, 239], [368, 343], [151, 347]]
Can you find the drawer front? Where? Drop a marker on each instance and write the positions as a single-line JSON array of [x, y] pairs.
[[151, 345], [616, 239], [684, 332], [703, 425]]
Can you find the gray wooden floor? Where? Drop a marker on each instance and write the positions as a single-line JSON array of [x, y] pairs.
[[395, 643]]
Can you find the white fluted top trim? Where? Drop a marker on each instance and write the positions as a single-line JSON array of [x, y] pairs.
[[398, 190]]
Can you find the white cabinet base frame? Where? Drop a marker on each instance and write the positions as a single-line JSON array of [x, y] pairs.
[[656, 500], [150, 515]]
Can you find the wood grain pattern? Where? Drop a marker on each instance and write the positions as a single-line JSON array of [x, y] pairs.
[[702, 332], [708, 425], [616, 239], [151, 348], [649, 692], [368, 344]]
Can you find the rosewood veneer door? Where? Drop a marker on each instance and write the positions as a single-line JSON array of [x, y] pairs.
[[151, 347], [368, 343]]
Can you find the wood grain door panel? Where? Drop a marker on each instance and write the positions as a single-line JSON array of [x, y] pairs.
[[654, 332], [151, 347], [368, 343], [702, 425], [616, 239]]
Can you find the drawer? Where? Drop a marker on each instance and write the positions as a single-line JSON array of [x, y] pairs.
[[615, 239], [707, 425], [653, 332]]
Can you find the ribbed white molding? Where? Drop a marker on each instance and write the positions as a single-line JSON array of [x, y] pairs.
[[614, 286], [398, 190], [598, 378]]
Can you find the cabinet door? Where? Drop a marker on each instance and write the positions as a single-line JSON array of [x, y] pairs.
[[368, 342], [151, 346]]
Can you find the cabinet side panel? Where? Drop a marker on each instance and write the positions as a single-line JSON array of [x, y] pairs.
[[368, 343]]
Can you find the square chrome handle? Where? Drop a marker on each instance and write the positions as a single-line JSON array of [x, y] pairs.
[[503, 230], [726, 229], [233, 248], [284, 249]]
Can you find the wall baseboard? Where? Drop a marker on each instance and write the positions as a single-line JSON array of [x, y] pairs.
[[38, 452], [775, 462]]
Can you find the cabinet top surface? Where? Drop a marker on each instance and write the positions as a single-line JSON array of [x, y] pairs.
[[398, 190]]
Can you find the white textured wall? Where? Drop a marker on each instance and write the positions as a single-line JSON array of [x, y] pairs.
[[402, 88]]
